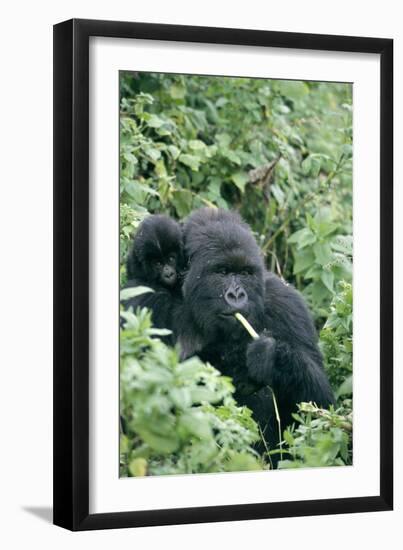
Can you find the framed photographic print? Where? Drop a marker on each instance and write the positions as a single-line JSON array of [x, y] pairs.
[[223, 321]]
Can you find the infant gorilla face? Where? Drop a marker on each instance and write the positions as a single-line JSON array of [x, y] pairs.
[[164, 270], [156, 257]]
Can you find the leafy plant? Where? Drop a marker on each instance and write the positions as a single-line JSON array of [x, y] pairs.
[[321, 438], [279, 152], [337, 341], [322, 256], [178, 417]]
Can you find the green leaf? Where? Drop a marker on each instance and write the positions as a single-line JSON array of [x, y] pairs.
[[124, 445], [232, 156], [306, 165], [188, 369], [302, 238], [182, 200], [282, 108], [288, 438], [311, 165], [132, 187], [316, 166], [240, 179], [152, 153], [223, 140], [173, 151], [240, 462], [181, 397], [347, 150], [324, 225], [190, 160], [129, 157], [306, 239], [159, 443], [327, 278], [343, 243], [153, 121], [323, 253], [204, 395], [303, 260], [177, 91], [313, 272], [294, 89], [138, 467], [346, 387], [211, 112], [318, 291], [133, 292], [195, 423], [160, 168], [196, 145], [278, 194], [160, 331]]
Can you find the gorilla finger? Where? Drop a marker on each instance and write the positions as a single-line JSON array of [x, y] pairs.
[[260, 358]]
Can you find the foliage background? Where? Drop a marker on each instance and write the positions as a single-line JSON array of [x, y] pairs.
[[280, 152]]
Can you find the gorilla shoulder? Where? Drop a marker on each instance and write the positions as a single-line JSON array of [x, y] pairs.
[[287, 314]]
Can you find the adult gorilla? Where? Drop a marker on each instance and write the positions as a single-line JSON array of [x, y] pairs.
[[227, 275]]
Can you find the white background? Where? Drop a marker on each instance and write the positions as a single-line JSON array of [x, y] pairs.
[[25, 299], [107, 492]]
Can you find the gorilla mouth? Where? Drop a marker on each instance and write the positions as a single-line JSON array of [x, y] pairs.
[[228, 315], [169, 281]]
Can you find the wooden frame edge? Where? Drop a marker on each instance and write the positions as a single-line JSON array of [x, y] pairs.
[[71, 275]]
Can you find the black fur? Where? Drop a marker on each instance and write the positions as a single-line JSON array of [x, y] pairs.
[[156, 260], [227, 274]]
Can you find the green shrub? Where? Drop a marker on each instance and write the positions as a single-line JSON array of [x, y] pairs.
[[336, 339], [178, 417], [321, 437], [279, 152]]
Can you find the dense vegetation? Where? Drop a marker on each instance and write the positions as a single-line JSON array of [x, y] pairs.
[[280, 152]]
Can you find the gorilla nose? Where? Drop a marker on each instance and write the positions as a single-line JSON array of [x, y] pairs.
[[168, 272], [169, 275], [236, 297]]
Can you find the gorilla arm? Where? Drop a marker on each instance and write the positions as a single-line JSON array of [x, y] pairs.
[[286, 356], [162, 304]]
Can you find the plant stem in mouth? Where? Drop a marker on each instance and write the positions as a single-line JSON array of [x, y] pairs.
[[255, 336], [247, 326]]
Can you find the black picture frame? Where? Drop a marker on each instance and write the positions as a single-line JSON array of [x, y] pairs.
[[71, 274]]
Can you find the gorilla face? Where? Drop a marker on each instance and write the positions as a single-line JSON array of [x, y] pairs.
[[225, 276], [157, 253], [162, 269]]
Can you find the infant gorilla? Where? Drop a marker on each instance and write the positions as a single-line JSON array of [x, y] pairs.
[[156, 260]]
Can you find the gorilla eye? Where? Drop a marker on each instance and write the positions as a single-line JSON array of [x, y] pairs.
[[158, 264], [246, 271], [222, 271]]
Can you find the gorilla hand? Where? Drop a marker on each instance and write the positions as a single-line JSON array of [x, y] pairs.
[[260, 359]]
